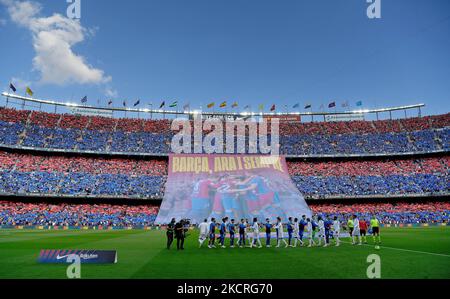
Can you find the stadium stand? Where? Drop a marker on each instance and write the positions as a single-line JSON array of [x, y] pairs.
[[361, 178], [43, 214], [99, 134], [32, 174], [78, 176], [106, 215], [387, 213]]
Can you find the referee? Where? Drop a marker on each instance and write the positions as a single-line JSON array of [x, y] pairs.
[[375, 225], [170, 232]]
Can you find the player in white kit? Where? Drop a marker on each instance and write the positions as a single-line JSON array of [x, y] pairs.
[[322, 236], [280, 232], [337, 230], [204, 232], [356, 231], [247, 230], [309, 228], [255, 234], [297, 233]]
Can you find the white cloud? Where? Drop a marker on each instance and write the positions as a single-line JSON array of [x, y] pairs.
[[111, 93], [53, 39]]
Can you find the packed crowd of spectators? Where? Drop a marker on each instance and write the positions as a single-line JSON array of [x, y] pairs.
[[388, 185], [83, 133], [439, 165], [361, 178], [387, 213], [44, 214], [78, 176]]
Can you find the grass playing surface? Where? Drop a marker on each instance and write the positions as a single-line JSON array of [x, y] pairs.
[[405, 253]]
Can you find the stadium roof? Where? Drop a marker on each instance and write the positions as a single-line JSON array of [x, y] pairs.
[[197, 111]]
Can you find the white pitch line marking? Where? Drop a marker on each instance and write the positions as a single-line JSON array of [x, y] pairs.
[[402, 249]]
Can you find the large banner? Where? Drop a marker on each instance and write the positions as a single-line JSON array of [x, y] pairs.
[[235, 186]]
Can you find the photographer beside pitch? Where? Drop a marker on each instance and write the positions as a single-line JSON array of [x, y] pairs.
[[180, 234], [170, 232]]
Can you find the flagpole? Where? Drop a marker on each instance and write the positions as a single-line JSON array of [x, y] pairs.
[[9, 91], [323, 111], [151, 110]]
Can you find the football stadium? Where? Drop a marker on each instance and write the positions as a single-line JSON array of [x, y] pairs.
[[224, 188], [73, 181]]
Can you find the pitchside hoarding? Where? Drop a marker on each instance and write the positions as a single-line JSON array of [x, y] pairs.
[[48, 256], [236, 186]]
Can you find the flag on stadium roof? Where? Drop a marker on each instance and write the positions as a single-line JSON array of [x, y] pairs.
[[12, 87], [174, 104], [137, 103], [186, 107], [235, 104], [223, 105], [308, 106], [84, 99], [359, 103], [321, 107], [296, 106], [162, 104], [247, 107], [30, 92], [210, 105], [332, 105], [261, 107], [110, 102], [345, 104], [273, 108], [124, 103]]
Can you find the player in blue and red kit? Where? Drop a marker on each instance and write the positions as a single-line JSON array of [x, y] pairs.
[[212, 233], [223, 231], [290, 229], [242, 232], [328, 225], [301, 229], [232, 229], [268, 226]]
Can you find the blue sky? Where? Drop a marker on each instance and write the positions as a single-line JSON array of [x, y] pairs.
[[250, 51]]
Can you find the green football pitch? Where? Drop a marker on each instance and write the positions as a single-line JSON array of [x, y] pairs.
[[405, 253]]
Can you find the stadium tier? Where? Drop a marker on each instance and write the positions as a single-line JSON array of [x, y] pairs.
[[44, 214], [26, 174], [31, 129]]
